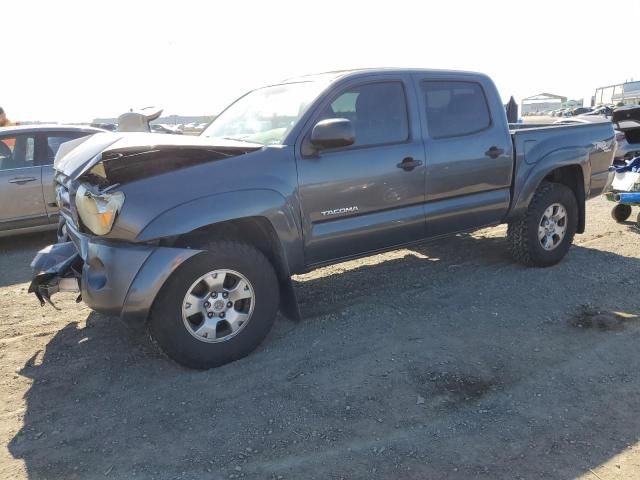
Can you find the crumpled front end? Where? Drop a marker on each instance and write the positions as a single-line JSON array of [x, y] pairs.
[[57, 268], [114, 278], [100, 255]]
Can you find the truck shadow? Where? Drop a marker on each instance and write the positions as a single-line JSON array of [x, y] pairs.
[[503, 390], [411, 269], [16, 254]]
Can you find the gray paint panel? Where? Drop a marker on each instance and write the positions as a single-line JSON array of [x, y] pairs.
[[159, 266], [388, 199], [108, 272], [351, 236], [466, 212], [555, 147]]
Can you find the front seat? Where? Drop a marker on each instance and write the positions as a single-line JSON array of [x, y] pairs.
[[377, 119]]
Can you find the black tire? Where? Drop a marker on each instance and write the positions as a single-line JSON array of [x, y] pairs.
[[522, 235], [638, 220], [166, 325], [621, 212]]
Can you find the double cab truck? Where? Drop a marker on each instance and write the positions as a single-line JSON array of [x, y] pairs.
[[197, 238]]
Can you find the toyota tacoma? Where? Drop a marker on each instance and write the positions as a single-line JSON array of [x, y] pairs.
[[197, 238]]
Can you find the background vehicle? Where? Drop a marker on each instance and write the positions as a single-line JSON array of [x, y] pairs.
[[627, 124], [604, 110], [626, 150], [112, 127], [580, 111], [161, 128], [27, 201], [198, 236]]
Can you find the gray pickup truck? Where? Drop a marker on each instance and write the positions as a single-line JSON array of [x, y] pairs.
[[197, 237]]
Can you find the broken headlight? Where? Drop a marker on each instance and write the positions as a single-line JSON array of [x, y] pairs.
[[98, 211]]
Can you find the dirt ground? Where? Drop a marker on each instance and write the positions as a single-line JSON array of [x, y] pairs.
[[443, 361]]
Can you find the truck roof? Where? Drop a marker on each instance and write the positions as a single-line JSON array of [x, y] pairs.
[[355, 72], [49, 127]]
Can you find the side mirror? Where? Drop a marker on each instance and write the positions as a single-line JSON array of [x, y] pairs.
[[333, 133]]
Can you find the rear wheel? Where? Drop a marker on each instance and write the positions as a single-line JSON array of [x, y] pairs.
[[217, 307], [621, 212], [543, 236]]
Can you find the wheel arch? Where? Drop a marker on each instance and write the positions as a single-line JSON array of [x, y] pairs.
[[261, 217], [572, 176], [259, 232], [255, 230], [569, 167]]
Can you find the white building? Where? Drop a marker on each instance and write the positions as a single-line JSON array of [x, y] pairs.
[[542, 102], [627, 93]]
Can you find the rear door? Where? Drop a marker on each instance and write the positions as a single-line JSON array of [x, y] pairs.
[[48, 144], [469, 155], [370, 195], [21, 200]]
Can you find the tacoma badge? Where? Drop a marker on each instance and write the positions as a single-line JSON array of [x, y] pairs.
[[337, 211]]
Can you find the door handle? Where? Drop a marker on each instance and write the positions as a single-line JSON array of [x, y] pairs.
[[494, 152], [21, 180], [408, 164]]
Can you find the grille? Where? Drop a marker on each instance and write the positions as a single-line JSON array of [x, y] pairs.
[[65, 198]]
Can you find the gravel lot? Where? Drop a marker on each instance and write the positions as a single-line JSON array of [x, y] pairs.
[[443, 361]]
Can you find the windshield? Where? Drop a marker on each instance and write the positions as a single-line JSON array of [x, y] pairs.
[[265, 115]]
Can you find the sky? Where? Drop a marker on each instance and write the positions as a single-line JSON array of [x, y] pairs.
[[72, 61]]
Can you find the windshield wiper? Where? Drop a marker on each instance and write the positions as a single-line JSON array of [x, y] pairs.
[[242, 140]]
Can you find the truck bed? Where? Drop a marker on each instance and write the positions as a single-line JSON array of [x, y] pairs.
[[592, 141], [570, 121]]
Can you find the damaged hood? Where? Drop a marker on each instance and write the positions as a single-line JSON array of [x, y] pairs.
[[134, 155]]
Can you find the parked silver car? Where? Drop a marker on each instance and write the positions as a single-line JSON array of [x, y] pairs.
[[27, 199]]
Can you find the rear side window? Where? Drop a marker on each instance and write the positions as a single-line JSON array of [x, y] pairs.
[[378, 112], [17, 151], [455, 108]]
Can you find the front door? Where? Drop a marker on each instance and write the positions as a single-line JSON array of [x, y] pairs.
[[368, 196], [21, 199]]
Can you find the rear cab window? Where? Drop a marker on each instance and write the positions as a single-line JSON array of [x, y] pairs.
[[455, 108]]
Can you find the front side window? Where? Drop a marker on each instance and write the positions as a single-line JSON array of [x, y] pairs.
[[378, 112], [266, 115], [53, 144], [16, 151], [455, 108]]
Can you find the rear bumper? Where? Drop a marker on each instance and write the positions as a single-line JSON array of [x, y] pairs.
[[600, 183], [115, 278]]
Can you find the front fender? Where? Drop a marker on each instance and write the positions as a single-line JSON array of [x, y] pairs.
[[212, 209], [531, 176]]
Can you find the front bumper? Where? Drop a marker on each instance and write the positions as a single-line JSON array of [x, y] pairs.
[[115, 278]]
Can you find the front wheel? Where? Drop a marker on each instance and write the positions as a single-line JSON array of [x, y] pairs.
[[217, 307], [543, 236]]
